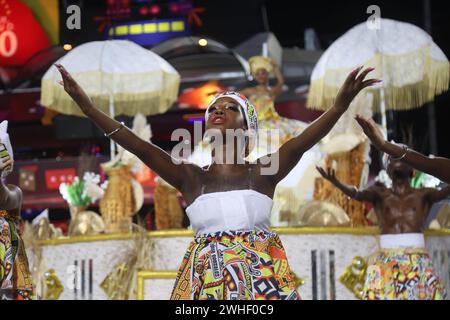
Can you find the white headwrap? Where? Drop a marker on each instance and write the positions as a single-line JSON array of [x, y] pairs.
[[249, 110]]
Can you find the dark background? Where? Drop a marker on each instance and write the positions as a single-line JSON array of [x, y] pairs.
[[234, 21]]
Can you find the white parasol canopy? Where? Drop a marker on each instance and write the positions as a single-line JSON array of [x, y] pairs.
[[413, 68], [120, 77]]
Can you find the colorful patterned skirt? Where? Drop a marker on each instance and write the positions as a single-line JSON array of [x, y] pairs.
[[235, 266], [402, 274], [15, 277]]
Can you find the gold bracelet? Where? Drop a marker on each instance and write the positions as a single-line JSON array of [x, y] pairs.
[[114, 131]]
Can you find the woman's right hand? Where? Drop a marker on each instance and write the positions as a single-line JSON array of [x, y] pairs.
[[73, 89], [353, 84]]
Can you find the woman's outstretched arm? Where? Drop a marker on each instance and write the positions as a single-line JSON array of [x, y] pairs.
[[170, 169], [438, 167], [291, 152]]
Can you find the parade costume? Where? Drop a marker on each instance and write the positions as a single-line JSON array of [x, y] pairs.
[[268, 117], [234, 256], [15, 277], [402, 270]]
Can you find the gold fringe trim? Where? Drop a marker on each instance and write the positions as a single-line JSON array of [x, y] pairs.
[[435, 81], [126, 102]]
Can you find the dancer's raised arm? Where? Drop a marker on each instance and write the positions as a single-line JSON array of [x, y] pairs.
[[278, 88], [436, 195], [368, 194], [170, 169], [290, 153], [438, 167]]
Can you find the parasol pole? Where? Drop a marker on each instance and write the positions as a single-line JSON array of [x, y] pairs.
[[430, 105], [111, 114], [382, 100]]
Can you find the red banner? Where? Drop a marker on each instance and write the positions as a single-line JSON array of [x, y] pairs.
[[21, 36], [55, 177]]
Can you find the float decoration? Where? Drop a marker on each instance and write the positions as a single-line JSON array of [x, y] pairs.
[[354, 276]]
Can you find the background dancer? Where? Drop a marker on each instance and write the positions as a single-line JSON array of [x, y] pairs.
[[402, 269], [263, 98], [15, 277]]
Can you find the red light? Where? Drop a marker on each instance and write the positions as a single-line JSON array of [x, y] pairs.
[[155, 9], [174, 7], [143, 11]]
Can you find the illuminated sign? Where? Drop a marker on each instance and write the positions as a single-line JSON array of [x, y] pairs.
[[149, 32], [21, 36]]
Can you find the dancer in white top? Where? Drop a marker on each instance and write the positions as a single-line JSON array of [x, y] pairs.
[[234, 255]]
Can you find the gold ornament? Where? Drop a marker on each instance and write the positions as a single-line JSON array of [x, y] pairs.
[[319, 214], [53, 287], [354, 276], [74, 210], [297, 280], [115, 284], [168, 211], [118, 204], [44, 230], [120, 283], [86, 223]]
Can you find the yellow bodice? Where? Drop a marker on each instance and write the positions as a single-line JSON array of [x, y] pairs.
[[265, 107]]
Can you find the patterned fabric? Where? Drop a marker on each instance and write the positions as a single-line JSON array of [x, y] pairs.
[[402, 274], [235, 265], [15, 277]]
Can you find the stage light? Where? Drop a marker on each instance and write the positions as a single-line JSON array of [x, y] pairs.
[[155, 9], [67, 47], [202, 42], [143, 11], [174, 8]]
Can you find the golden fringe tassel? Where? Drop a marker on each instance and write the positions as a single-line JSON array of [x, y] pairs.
[[148, 103], [435, 81]]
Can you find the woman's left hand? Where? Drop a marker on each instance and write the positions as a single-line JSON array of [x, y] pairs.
[[352, 86]]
